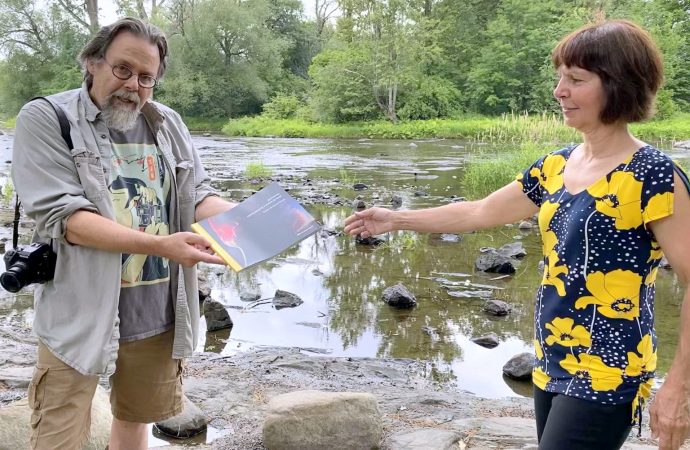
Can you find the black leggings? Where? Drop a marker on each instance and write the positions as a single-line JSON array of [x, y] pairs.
[[569, 423]]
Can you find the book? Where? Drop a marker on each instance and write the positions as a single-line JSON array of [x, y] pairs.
[[259, 228]]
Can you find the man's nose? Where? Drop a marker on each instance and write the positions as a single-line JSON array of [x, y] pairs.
[[132, 83]]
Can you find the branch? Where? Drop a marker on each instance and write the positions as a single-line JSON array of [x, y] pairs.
[[68, 8]]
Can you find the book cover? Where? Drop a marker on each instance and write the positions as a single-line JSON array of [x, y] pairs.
[[257, 229]]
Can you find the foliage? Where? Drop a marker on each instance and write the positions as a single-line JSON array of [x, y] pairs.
[[282, 106], [486, 173], [257, 169], [434, 97]]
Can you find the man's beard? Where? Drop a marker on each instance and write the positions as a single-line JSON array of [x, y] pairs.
[[119, 116]]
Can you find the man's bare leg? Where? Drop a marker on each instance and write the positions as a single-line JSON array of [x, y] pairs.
[[128, 436]]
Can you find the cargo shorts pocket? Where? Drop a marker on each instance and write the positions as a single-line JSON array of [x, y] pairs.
[[36, 397]]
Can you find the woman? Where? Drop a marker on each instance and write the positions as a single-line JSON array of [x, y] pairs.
[[607, 207]]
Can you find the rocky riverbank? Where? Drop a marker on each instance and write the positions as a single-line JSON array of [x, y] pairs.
[[233, 392]]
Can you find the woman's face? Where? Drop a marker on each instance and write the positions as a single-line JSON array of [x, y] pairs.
[[581, 96]]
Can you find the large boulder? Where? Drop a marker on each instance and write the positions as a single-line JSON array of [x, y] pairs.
[[316, 420]]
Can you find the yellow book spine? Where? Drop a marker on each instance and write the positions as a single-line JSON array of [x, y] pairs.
[[217, 247]]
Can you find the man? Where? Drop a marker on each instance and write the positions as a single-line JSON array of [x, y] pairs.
[[115, 208]]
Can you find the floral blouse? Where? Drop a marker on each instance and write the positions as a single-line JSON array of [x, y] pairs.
[[594, 315]]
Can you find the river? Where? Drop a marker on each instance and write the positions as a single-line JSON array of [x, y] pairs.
[[341, 282]]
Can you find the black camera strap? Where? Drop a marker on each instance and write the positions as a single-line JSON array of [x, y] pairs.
[[65, 132]]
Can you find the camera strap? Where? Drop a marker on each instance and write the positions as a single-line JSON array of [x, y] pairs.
[[65, 132], [683, 176]]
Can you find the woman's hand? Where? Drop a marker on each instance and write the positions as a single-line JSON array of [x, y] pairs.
[[669, 415], [370, 222]]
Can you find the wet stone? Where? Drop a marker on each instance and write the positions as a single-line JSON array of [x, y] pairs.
[[519, 367], [371, 240], [399, 296], [358, 205], [526, 225], [217, 317], [497, 308], [359, 186], [247, 296], [285, 299], [396, 201], [489, 340]]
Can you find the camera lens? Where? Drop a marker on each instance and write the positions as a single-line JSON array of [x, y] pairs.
[[13, 279]]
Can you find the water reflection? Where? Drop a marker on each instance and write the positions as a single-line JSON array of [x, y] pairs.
[[341, 282]]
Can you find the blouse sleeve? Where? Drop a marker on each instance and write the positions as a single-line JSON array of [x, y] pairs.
[[529, 181], [657, 190]]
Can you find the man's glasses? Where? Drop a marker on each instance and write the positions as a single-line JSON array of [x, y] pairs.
[[125, 73]]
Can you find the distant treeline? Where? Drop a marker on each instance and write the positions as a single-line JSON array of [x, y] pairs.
[[352, 61]]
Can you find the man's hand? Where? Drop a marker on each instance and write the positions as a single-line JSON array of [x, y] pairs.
[[669, 415], [370, 222], [187, 249]]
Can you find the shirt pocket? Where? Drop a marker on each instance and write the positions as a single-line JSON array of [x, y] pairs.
[[184, 176], [91, 172]]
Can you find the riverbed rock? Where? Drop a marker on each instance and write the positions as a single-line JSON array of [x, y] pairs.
[[396, 201], [682, 144], [449, 237], [425, 439], [359, 186], [370, 240], [16, 377], [513, 250], [217, 317], [488, 340], [358, 205], [247, 296], [492, 261], [316, 420], [204, 287], [285, 299], [497, 308], [15, 418], [519, 367], [525, 225], [188, 423], [399, 296]]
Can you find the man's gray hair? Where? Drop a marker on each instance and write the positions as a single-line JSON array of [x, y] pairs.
[[95, 49]]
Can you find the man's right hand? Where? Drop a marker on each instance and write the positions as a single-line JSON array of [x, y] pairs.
[[187, 249], [370, 222]]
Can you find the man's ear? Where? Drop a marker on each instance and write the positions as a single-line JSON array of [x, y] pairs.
[[90, 66]]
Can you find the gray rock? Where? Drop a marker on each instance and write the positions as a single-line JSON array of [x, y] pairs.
[[285, 299], [682, 144], [498, 432], [497, 308], [421, 194], [447, 237], [371, 240], [526, 225], [204, 288], [424, 439], [396, 201], [16, 377], [188, 423], [519, 367], [399, 296], [489, 340], [491, 261], [513, 250], [247, 296], [316, 420], [217, 317], [359, 186], [358, 205]]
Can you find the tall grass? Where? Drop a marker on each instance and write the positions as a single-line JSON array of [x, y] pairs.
[[486, 173], [257, 169]]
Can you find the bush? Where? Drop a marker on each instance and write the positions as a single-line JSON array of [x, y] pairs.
[[434, 97], [282, 106]]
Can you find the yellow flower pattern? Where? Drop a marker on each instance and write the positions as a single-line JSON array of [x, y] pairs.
[[592, 368], [644, 361], [594, 314], [551, 174], [564, 333], [616, 294], [619, 197]]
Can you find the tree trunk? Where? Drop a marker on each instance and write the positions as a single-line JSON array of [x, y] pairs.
[[392, 98], [92, 12]]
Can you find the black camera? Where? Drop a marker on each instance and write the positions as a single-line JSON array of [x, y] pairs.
[[34, 263]]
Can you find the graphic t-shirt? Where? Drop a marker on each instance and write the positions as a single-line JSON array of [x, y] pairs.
[[140, 190], [594, 314]]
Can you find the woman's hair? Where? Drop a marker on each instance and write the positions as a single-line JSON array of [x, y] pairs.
[[95, 49], [626, 59]]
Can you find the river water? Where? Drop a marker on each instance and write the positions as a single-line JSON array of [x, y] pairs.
[[341, 282]]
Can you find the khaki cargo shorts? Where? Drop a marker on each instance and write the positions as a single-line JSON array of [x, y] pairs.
[[146, 387]]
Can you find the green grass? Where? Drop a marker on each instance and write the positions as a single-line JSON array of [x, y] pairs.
[[486, 173], [201, 124], [9, 123], [257, 170], [509, 128]]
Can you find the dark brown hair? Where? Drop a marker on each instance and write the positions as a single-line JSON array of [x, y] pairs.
[[95, 49], [626, 59]]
